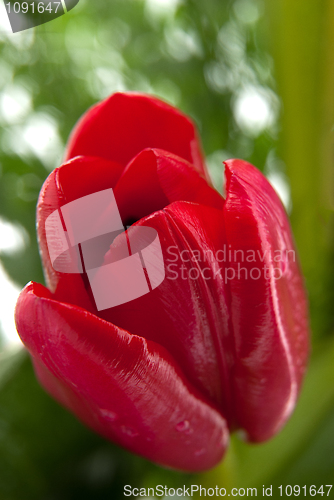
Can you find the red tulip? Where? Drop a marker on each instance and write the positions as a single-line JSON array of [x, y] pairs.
[[221, 344]]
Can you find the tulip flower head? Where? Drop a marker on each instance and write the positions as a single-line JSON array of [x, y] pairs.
[[171, 316]]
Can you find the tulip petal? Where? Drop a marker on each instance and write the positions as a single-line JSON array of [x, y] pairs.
[[143, 187], [173, 313], [126, 388], [188, 312], [121, 126], [76, 178], [268, 303], [156, 178]]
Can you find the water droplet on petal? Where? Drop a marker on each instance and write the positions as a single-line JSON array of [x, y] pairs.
[[183, 426], [200, 452], [129, 431], [109, 415]]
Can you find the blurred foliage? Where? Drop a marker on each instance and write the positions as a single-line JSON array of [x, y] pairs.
[[258, 79], [303, 43]]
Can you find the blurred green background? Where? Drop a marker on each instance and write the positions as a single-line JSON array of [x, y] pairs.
[[257, 77]]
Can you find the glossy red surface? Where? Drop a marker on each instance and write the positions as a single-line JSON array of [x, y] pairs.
[[218, 346], [269, 314]]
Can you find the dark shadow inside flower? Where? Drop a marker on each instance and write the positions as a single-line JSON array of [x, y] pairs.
[[156, 178], [129, 221]]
